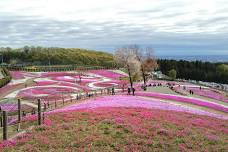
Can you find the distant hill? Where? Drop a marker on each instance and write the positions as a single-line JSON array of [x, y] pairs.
[[55, 56]]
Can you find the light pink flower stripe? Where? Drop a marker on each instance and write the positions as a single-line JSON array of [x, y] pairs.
[[184, 99]]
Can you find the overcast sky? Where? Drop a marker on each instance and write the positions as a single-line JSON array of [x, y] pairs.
[[172, 27]]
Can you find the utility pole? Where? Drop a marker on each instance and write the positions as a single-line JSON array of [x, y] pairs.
[[1, 58]]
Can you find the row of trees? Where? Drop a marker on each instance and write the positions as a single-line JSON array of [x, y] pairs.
[[55, 56], [195, 70], [136, 60]]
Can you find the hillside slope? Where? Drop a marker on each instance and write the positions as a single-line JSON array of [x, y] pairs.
[[56, 56]]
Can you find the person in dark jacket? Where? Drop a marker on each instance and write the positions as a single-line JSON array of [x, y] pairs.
[[133, 91], [128, 90], [113, 91]]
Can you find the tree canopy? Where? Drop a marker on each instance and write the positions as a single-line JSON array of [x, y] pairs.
[[55, 56], [196, 70]]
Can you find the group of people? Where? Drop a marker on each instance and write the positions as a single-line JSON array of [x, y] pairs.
[[111, 90], [129, 90], [144, 87], [191, 92]]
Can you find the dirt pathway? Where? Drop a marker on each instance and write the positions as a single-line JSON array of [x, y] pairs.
[[29, 83]]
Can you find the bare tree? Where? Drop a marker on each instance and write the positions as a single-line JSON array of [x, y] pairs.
[[147, 61], [126, 57]]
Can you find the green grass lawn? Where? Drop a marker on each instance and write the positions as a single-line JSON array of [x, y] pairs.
[[12, 129], [161, 89]]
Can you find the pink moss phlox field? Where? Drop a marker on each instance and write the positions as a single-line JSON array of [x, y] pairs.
[[21, 75], [7, 143], [206, 92], [74, 79], [130, 101], [105, 84], [131, 129], [184, 99], [45, 82], [107, 73], [41, 92], [8, 106], [55, 74], [8, 87]]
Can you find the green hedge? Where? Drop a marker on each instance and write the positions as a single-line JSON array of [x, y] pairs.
[[7, 77]]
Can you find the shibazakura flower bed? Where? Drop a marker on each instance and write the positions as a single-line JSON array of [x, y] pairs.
[[13, 107], [124, 129], [21, 75], [43, 92], [178, 98], [207, 92], [107, 73], [75, 79], [48, 84], [134, 101]]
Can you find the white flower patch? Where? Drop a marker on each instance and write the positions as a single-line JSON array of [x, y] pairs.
[[119, 72], [19, 81], [94, 87], [43, 79], [12, 94]]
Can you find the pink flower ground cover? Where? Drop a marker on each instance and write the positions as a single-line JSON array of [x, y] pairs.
[[44, 92], [105, 84], [133, 101], [107, 73], [56, 74], [45, 82], [124, 129], [184, 99], [7, 88], [8, 106], [209, 93], [74, 79], [17, 74], [21, 75]]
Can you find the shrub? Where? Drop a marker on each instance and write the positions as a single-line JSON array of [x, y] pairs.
[[7, 77]]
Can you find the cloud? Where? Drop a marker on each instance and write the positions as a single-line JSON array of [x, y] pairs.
[[176, 25]]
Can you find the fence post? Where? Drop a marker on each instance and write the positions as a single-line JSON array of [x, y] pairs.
[[19, 114], [1, 116], [48, 104], [55, 103], [5, 135], [39, 112], [45, 106]]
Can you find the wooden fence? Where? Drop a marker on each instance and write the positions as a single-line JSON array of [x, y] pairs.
[[12, 123]]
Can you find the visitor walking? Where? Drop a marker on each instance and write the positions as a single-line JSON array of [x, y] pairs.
[[128, 90], [113, 91], [133, 91], [123, 88]]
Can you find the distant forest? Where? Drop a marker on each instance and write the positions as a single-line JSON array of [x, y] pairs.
[[55, 56], [196, 70]]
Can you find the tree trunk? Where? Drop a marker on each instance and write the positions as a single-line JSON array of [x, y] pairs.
[[130, 79], [144, 77]]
